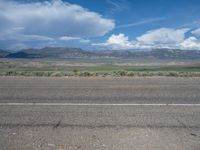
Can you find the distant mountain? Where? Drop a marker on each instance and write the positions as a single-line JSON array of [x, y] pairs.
[[3, 53], [175, 54], [50, 52], [64, 53], [123, 54], [154, 53], [21, 54]]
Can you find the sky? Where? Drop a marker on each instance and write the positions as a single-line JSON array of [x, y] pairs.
[[100, 24]]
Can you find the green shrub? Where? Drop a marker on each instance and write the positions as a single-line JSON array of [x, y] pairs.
[[75, 71], [173, 74], [121, 73], [85, 74]]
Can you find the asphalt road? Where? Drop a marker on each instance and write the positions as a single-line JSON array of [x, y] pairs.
[[99, 113]]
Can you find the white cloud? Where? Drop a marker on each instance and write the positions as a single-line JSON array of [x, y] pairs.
[[85, 41], [119, 41], [52, 19], [196, 32], [159, 38], [163, 36], [69, 38], [190, 43]]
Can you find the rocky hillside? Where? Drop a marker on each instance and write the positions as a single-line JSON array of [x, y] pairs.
[[3, 53], [64, 53]]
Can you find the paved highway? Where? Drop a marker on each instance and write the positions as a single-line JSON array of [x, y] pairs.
[[99, 113]]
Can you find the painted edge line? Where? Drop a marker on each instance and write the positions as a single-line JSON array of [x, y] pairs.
[[91, 104]]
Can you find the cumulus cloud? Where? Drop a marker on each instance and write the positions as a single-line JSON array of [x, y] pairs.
[[121, 41], [196, 32], [163, 36], [159, 38], [52, 19], [55, 18], [190, 43]]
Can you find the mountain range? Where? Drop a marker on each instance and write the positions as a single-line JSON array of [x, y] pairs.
[[64, 53], [3, 53]]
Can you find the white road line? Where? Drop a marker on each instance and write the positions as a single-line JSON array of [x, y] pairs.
[[90, 104]]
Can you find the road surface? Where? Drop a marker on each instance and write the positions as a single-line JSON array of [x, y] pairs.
[[154, 113]]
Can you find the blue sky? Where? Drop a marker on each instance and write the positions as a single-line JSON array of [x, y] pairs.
[[100, 24]]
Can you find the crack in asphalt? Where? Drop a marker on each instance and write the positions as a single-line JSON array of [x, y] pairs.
[[57, 125], [63, 125]]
